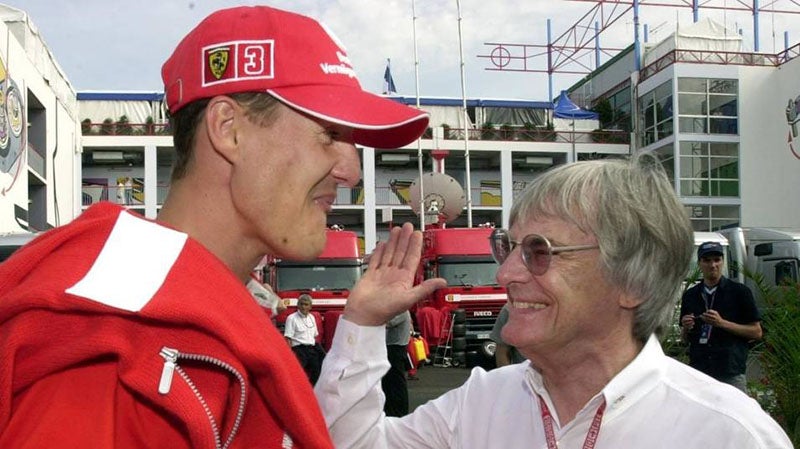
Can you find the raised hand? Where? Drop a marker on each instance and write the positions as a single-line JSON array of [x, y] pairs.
[[387, 288]]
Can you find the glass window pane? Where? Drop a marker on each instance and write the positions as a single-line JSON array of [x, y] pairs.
[[693, 125], [724, 105], [723, 125], [725, 168], [649, 115], [664, 129], [691, 85], [724, 188], [663, 90], [694, 148], [697, 211], [724, 149], [694, 167], [692, 104], [649, 137], [664, 108], [694, 188], [728, 212], [723, 86]]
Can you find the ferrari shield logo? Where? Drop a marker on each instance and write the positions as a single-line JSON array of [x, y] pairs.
[[218, 61]]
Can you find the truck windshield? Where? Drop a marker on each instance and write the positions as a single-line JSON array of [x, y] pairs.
[[473, 273], [317, 277]]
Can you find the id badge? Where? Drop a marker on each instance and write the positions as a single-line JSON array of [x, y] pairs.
[[705, 332]]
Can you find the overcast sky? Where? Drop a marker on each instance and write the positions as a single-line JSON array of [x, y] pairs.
[[112, 45]]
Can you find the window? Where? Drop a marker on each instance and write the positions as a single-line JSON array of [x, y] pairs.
[[713, 217], [655, 111], [666, 155], [709, 169], [708, 106]]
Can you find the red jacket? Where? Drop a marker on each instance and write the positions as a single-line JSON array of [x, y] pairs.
[[90, 314]]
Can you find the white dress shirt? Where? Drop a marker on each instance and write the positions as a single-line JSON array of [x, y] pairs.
[[655, 402], [300, 329]]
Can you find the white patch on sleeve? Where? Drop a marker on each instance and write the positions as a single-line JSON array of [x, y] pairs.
[[132, 265]]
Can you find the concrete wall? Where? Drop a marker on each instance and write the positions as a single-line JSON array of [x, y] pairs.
[[770, 168]]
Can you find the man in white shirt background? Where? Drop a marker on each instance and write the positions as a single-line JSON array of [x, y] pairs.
[[301, 332]]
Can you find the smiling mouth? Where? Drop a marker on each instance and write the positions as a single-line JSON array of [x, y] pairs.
[[325, 202], [528, 305]]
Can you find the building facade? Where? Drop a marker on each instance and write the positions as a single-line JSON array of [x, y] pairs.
[[40, 139]]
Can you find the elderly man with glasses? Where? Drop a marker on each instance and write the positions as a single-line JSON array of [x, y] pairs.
[[593, 263]]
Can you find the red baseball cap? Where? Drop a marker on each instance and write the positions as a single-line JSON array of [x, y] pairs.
[[293, 58]]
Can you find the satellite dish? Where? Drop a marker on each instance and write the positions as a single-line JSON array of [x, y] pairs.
[[444, 197]]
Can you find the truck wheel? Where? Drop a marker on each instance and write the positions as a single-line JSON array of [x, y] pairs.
[[459, 344], [459, 316], [459, 358], [459, 330]]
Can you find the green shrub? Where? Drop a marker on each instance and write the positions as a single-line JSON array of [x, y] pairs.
[[780, 353]]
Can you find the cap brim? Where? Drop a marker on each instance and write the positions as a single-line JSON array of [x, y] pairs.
[[377, 122]]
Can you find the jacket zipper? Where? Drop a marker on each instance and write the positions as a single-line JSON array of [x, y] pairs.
[[171, 357]]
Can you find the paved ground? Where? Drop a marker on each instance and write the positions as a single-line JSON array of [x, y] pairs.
[[433, 381]]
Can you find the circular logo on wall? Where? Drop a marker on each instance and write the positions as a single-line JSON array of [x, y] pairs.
[[14, 110]]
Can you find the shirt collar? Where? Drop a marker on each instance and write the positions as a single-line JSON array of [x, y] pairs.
[[630, 384]]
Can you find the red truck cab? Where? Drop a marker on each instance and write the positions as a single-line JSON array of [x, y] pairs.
[[328, 279], [463, 257]]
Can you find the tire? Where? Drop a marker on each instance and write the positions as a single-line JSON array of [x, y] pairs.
[[459, 316], [459, 359], [488, 349], [459, 330], [459, 344]]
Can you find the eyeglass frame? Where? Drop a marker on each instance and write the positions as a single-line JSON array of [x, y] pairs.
[[499, 234]]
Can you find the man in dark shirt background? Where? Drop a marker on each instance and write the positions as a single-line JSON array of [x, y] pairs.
[[719, 318]]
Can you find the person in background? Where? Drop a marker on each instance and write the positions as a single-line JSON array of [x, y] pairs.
[[504, 354], [266, 109], [301, 334], [394, 383], [719, 319], [593, 263]]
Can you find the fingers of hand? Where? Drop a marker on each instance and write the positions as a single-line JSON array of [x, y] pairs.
[[406, 231], [390, 247]]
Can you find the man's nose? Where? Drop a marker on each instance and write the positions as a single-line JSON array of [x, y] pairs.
[[347, 170]]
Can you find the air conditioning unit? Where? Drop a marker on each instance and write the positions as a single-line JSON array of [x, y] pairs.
[[538, 161], [108, 156], [395, 158]]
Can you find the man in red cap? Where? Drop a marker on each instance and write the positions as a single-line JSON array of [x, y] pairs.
[[266, 110]]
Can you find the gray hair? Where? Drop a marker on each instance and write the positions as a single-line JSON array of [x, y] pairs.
[[645, 236]]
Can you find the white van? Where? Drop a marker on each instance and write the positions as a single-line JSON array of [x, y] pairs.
[[773, 253]]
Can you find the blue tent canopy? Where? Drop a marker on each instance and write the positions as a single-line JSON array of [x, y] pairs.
[[565, 108]]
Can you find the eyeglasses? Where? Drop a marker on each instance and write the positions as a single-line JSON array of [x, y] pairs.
[[536, 250]]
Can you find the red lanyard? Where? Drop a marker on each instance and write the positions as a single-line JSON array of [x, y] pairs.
[[591, 436]]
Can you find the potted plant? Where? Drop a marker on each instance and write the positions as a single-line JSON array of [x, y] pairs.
[[86, 126], [123, 126], [107, 127], [488, 131]]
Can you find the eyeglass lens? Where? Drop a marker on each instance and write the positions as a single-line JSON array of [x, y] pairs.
[[536, 250]]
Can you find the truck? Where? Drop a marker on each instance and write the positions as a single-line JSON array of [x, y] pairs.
[[328, 279], [773, 253], [463, 257]]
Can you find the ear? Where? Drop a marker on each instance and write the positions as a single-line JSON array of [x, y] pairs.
[[628, 301], [223, 116]]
